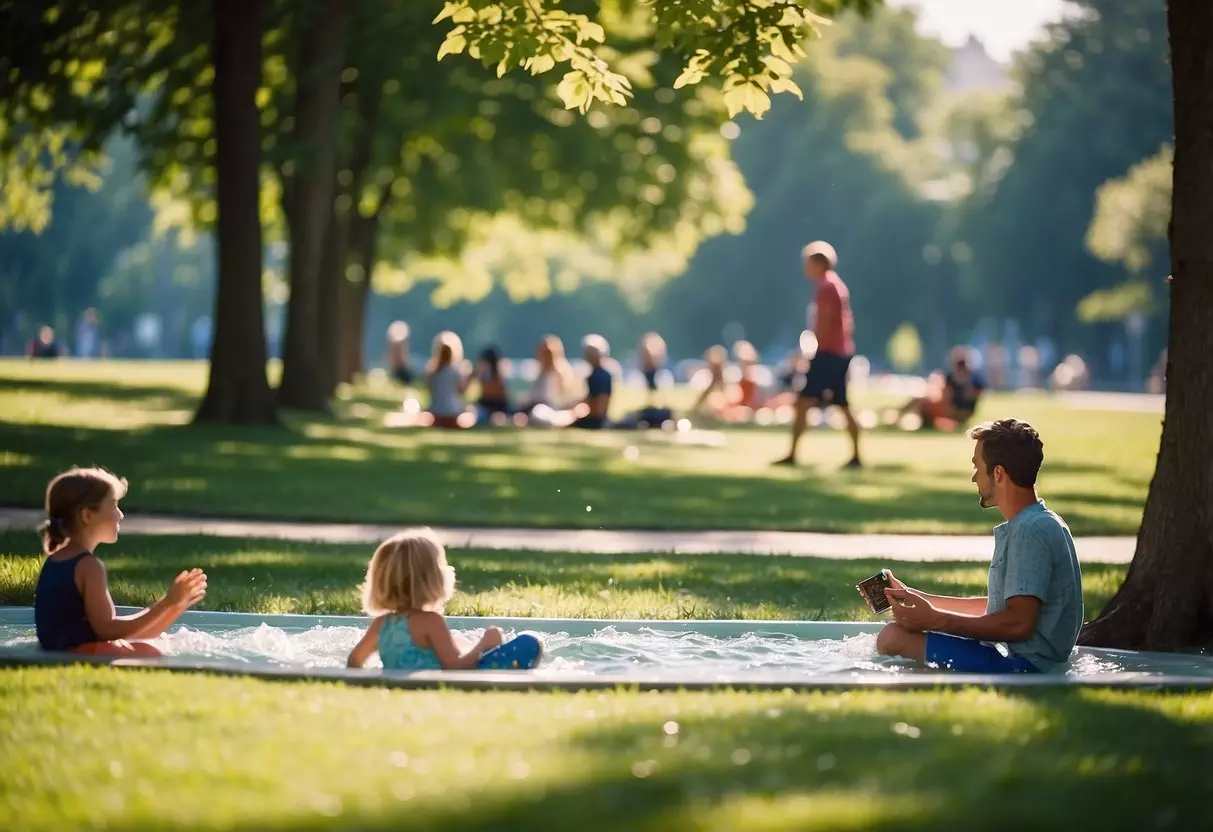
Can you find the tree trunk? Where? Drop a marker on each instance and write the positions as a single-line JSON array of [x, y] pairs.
[[364, 233], [1167, 598], [353, 329], [332, 275], [238, 392], [317, 105], [359, 238]]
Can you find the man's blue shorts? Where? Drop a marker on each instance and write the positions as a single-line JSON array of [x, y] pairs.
[[826, 380], [968, 655]]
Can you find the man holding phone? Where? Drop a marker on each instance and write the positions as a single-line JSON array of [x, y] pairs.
[[1030, 618]]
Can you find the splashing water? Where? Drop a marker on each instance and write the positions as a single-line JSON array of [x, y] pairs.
[[605, 652]]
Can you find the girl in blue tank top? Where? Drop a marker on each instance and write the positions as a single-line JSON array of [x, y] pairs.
[[408, 582], [73, 609]]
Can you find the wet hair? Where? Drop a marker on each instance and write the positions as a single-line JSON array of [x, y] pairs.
[[68, 495], [1014, 445], [408, 572]]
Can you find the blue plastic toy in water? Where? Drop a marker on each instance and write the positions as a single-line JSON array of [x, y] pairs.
[[520, 653]]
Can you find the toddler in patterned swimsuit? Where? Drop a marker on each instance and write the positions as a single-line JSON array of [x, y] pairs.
[[408, 582]]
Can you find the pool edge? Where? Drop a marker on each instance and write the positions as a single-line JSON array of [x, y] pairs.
[[484, 680]]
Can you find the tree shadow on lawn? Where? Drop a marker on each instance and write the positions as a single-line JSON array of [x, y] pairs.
[[323, 579], [1061, 760], [150, 396], [481, 481]]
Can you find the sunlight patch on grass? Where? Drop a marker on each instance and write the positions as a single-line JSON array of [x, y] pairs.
[[122, 415], [345, 453], [156, 750], [317, 578], [177, 484]]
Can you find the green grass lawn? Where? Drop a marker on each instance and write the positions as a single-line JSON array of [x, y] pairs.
[[278, 577], [132, 750], [132, 418], [128, 750]]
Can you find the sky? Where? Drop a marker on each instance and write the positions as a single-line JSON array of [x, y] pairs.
[[1004, 26]]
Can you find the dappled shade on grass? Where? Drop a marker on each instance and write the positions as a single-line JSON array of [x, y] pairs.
[[131, 418], [272, 576], [155, 750]]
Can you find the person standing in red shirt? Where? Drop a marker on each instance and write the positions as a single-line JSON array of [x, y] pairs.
[[826, 381]]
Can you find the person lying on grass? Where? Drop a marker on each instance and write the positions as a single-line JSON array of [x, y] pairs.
[[1030, 619], [408, 582], [73, 609]]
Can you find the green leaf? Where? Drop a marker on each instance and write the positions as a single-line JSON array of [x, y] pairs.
[[777, 66], [735, 99], [540, 64], [448, 10], [689, 77], [748, 96], [574, 91], [589, 30], [493, 51], [778, 85], [1116, 303], [453, 45], [780, 49]]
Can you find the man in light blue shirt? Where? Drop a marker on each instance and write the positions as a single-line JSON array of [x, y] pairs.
[[1030, 618]]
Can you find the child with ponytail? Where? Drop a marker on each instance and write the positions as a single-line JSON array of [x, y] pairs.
[[73, 609]]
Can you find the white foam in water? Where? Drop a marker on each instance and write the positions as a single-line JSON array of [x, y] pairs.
[[609, 652]]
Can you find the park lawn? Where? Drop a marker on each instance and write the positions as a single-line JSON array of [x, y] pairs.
[[273, 576], [132, 418], [128, 750], [123, 749]]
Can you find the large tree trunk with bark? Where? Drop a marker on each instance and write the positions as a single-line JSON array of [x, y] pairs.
[[238, 392], [310, 195], [1166, 602]]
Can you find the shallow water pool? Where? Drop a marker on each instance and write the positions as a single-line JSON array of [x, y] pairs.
[[683, 650]]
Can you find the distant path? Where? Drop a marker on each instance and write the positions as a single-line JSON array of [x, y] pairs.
[[974, 548]]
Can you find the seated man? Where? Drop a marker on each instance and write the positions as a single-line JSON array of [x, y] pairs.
[[1030, 619], [592, 413]]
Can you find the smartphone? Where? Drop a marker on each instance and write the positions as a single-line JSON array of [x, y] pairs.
[[873, 589]]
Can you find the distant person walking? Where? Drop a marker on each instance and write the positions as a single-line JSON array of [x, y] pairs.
[[88, 335], [826, 380]]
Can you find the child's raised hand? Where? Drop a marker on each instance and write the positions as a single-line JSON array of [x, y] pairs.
[[493, 637], [188, 588]]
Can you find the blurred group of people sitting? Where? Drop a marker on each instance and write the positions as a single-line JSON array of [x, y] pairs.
[[951, 396], [463, 394]]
